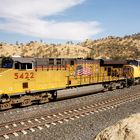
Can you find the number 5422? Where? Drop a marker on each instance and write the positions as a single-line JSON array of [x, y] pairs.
[[24, 75]]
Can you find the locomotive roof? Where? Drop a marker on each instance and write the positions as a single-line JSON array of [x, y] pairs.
[[113, 62], [23, 59], [103, 61], [28, 59]]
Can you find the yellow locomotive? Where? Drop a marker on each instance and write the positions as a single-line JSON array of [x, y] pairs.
[[132, 71], [24, 81]]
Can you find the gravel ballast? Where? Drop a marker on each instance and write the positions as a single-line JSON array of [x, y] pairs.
[[85, 128]]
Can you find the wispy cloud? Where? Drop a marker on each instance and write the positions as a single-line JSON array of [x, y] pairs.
[[27, 17]]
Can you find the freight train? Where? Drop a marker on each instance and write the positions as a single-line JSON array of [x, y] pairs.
[[24, 81]]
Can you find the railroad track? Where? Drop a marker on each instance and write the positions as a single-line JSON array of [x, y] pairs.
[[21, 126]]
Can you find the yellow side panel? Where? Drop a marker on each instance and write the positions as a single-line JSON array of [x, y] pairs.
[[136, 72], [51, 79], [17, 81], [12, 81], [6, 82]]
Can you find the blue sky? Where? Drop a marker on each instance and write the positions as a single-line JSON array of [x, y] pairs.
[[62, 20]]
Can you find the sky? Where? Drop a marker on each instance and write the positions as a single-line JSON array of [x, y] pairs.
[[57, 21]]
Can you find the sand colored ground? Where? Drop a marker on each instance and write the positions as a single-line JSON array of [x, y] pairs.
[[127, 129]]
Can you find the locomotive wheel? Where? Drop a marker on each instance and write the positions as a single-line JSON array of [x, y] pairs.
[[121, 86], [112, 86], [26, 102], [5, 106], [105, 87], [53, 96], [5, 102], [43, 100]]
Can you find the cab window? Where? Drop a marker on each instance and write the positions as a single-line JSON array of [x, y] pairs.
[[7, 63], [29, 66], [17, 65], [23, 66]]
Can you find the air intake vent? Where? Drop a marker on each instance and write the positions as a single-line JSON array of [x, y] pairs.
[[25, 85]]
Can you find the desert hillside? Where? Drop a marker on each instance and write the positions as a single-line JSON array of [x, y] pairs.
[[109, 47], [114, 47], [127, 129]]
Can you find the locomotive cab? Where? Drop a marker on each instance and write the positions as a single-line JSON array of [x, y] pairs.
[[23, 63], [134, 66], [16, 63], [128, 71], [23, 66], [16, 75], [132, 71]]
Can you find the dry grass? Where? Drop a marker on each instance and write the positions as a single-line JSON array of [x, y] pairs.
[[110, 47]]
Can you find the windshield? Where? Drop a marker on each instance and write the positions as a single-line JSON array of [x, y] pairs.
[[7, 63], [132, 62]]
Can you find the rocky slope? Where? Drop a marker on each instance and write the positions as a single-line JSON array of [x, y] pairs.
[[127, 129], [109, 47]]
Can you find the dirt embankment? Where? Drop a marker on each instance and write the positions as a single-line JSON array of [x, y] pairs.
[[127, 129]]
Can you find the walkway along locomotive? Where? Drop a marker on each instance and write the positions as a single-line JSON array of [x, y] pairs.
[[24, 81]]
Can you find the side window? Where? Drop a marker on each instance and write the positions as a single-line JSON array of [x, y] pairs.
[[58, 61], [72, 62], [29, 65], [109, 71], [51, 61], [17, 65], [23, 66]]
